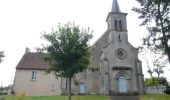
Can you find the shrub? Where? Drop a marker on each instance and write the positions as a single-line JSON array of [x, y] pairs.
[[12, 92], [167, 91], [20, 96]]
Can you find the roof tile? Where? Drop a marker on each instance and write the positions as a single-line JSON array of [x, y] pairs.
[[33, 60]]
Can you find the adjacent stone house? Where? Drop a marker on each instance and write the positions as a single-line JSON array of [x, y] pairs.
[[32, 79], [115, 68]]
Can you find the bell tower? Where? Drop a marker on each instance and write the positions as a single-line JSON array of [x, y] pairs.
[[116, 19], [117, 25]]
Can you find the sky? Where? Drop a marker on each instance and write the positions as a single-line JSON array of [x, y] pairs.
[[23, 21]]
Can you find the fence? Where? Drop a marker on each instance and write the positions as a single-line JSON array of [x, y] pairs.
[[155, 89]]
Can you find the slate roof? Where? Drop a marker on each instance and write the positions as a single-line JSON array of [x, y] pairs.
[[32, 60], [115, 6]]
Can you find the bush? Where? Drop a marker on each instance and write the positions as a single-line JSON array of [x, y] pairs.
[[20, 96], [3, 93], [12, 92], [167, 91]]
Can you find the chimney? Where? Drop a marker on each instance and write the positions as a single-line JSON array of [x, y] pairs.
[[27, 50]]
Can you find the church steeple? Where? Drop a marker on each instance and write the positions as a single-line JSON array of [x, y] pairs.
[[116, 19], [117, 25], [115, 6]]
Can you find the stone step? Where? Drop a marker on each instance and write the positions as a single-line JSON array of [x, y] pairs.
[[125, 98]]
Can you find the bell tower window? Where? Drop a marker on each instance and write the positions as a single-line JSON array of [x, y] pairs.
[[120, 24], [116, 26]]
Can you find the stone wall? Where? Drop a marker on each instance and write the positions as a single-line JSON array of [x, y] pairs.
[[44, 84], [155, 89]]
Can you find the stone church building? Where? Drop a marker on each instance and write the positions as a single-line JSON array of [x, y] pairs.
[[115, 68]]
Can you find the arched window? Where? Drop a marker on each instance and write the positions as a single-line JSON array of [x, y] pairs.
[[120, 24], [116, 26], [119, 37]]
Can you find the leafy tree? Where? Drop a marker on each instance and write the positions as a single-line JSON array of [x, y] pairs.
[[68, 51], [151, 81], [156, 81], [155, 15], [163, 81], [1, 55]]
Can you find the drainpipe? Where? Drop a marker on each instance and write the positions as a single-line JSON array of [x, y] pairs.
[[104, 84]]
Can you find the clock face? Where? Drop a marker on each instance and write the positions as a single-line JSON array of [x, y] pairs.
[[120, 53]]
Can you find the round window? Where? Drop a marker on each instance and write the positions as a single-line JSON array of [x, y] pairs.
[[120, 53]]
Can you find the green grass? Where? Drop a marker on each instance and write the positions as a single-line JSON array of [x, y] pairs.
[[91, 97], [155, 97], [59, 98]]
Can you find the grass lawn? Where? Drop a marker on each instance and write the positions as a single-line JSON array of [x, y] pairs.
[[155, 97], [92, 97]]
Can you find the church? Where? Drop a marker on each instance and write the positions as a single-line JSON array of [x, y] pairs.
[[114, 70]]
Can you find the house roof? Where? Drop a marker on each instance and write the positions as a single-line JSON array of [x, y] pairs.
[[33, 60]]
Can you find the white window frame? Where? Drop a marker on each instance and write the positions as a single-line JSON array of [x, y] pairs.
[[52, 87], [34, 75]]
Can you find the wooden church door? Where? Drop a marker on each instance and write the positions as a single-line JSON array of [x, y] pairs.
[[122, 84], [81, 88]]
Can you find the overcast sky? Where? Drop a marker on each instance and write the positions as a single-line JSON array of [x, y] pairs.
[[22, 21]]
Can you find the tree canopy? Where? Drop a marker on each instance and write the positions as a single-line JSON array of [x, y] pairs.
[[156, 81], [155, 15], [68, 50]]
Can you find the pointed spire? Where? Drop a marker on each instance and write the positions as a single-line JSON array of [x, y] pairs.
[[115, 6]]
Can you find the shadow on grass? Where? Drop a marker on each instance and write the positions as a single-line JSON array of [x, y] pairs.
[[155, 97]]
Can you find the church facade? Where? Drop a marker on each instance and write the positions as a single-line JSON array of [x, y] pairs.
[[120, 70], [115, 68]]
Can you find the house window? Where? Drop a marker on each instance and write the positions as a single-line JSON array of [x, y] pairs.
[[52, 87], [34, 75]]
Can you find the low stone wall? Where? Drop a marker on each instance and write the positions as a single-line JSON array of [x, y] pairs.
[[155, 89], [129, 93]]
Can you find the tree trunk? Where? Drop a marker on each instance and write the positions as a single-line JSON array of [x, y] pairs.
[[168, 55], [158, 75], [66, 86], [69, 92]]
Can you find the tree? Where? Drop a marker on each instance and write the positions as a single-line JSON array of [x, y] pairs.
[[156, 81], [151, 81], [154, 59], [1, 55], [68, 51], [155, 15]]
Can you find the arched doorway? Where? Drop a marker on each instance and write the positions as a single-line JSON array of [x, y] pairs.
[[122, 84]]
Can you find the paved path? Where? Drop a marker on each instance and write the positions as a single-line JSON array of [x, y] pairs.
[[125, 98]]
